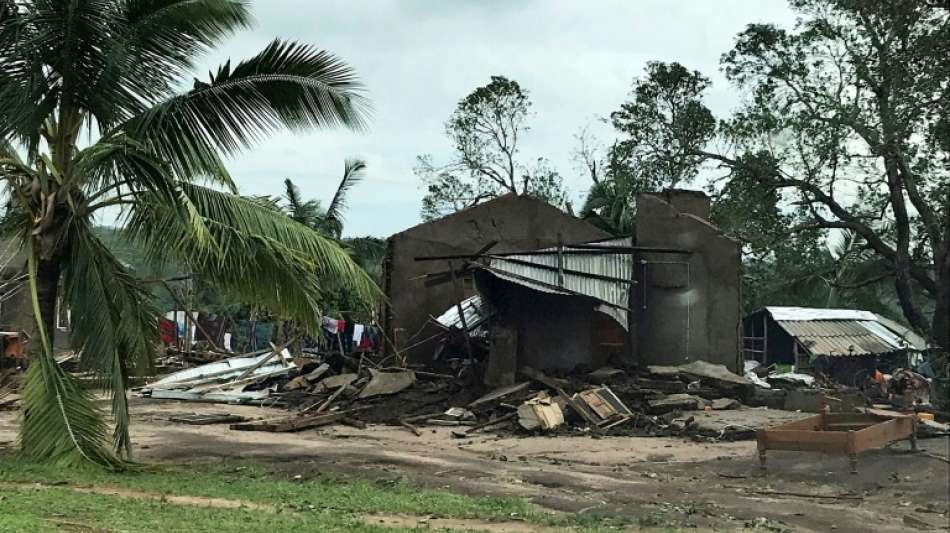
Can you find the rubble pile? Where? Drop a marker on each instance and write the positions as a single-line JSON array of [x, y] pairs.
[[655, 401]]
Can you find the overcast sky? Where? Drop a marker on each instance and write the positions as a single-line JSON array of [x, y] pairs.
[[417, 58]]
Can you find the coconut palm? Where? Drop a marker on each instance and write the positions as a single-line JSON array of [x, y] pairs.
[[92, 121], [328, 221]]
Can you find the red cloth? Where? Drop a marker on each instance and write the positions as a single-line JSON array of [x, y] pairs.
[[167, 329]]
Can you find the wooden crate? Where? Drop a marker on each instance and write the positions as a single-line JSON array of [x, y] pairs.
[[839, 433]]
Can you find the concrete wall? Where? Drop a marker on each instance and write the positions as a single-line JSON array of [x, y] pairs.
[[516, 222], [688, 306]]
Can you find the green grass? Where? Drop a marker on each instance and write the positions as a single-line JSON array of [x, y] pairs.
[[40, 498]]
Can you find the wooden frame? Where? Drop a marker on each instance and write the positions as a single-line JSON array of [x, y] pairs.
[[841, 433]]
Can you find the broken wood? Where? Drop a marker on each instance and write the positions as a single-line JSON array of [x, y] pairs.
[[500, 393], [264, 360], [766, 492], [411, 428], [543, 379], [352, 422], [207, 419], [416, 418], [330, 400], [291, 424], [492, 422]]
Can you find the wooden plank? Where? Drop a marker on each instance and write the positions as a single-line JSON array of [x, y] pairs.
[[801, 440], [810, 423], [291, 424], [845, 426], [497, 394], [597, 404], [880, 434], [849, 418]]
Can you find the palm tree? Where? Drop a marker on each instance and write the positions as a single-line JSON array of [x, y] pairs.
[[91, 121], [328, 221]]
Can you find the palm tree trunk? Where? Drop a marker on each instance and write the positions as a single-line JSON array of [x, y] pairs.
[[48, 272]]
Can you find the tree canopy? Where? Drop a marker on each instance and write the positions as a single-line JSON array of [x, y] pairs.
[[486, 129], [843, 134]]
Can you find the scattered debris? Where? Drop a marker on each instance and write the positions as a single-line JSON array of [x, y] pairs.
[[500, 393], [722, 404], [919, 523], [674, 402], [386, 383], [540, 412], [207, 419]]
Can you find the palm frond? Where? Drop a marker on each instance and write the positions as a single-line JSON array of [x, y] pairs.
[[121, 164], [255, 252], [308, 213], [114, 324], [60, 422], [287, 85], [157, 41], [353, 172]]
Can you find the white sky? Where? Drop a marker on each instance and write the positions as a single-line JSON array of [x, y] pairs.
[[417, 58]]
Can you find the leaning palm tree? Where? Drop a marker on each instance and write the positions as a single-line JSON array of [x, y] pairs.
[[92, 122]]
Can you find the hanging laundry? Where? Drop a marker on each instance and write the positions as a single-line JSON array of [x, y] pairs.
[[358, 334], [366, 343], [330, 324]]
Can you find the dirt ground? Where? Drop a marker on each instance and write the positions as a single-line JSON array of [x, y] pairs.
[[672, 481]]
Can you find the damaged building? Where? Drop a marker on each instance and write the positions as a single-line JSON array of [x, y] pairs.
[[506, 224], [555, 293]]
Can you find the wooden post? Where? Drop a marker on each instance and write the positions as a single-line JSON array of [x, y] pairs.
[[852, 451], [761, 445]]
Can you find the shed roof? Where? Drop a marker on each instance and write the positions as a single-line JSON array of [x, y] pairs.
[[840, 332], [837, 338]]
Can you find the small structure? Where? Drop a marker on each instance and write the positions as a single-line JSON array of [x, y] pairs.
[[844, 344]]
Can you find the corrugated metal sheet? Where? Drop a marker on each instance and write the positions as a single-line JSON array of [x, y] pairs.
[[616, 241], [605, 277], [839, 337], [906, 335], [475, 315], [814, 313]]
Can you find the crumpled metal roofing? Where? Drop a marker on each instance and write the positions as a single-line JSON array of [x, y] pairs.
[[842, 338], [602, 275], [476, 313]]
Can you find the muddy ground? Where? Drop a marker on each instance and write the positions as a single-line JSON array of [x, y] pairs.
[[666, 481]]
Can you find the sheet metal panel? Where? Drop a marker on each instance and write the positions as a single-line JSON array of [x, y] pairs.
[[540, 272], [838, 338], [475, 314], [812, 313]]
